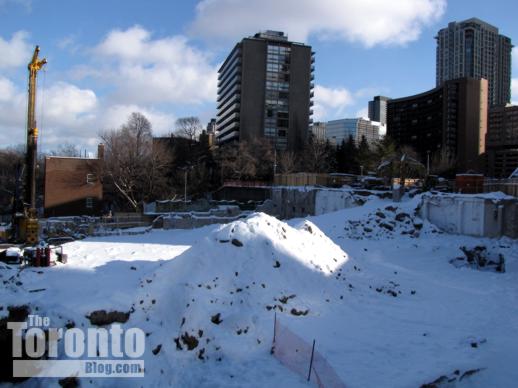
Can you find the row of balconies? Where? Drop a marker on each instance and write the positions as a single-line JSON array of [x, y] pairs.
[[227, 119], [230, 62], [227, 93], [233, 126], [235, 98], [228, 77]]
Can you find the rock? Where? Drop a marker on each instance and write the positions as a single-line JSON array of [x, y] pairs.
[[216, 319], [189, 340], [236, 242], [401, 216], [102, 318], [156, 350], [299, 312], [69, 382], [387, 226], [381, 214]]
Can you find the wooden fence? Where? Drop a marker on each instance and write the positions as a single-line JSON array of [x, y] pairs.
[[507, 186]]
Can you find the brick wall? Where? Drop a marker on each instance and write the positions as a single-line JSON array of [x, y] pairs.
[[73, 186]]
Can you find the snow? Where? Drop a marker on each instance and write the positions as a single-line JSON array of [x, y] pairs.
[[495, 195], [385, 305]]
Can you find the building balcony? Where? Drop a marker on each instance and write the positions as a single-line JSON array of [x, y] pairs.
[[231, 99], [229, 92], [228, 76], [234, 126], [311, 85], [234, 81], [228, 119], [235, 56], [228, 137]]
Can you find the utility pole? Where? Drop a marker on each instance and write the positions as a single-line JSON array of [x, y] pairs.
[[185, 186], [274, 162]]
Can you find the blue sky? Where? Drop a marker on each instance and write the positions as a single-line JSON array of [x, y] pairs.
[[109, 58]]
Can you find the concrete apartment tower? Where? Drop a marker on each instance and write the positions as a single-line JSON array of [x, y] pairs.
[[473, 48], [451, 117], [265, 89]]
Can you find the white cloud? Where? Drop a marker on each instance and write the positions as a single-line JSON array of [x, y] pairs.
[[116, 115], [330, 102], [27, 4], [68, 105], [144, 70], [369, 22], [138, 73], [15, 52], [363, 112], [7, 89], [64, 113]]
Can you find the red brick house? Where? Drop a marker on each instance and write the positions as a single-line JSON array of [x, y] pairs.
[[73, 186]]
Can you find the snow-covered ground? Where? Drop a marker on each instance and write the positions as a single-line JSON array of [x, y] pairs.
[[373, 285]]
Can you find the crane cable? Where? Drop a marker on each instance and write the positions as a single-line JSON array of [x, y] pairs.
[[42, 107]]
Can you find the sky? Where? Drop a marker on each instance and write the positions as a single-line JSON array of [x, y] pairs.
[[107, 59]]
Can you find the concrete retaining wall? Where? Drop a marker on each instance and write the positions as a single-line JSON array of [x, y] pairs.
[[472, 215], [300, 201], [190, 220]]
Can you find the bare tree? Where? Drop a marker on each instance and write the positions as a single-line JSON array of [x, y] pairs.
[[317, 156], [11, 165], [442, 162], [287, 161], [134, 167], [66, 149], [236, 162], [189, 127]]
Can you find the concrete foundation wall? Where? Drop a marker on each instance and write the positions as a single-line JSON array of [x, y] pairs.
[[327, 201], [190, 220], [472, 215], [300, 202]]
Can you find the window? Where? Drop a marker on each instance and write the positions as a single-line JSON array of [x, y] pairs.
[[91, 179], [89, 202]]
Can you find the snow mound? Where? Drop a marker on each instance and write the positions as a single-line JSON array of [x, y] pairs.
[[216, 302]]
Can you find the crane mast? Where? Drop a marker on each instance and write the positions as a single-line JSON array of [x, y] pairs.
[[29, 230]]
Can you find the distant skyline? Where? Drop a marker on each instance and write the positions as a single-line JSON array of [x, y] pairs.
[[108, 59]]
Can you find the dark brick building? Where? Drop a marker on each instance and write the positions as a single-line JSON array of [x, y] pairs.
[[452, 116], [73, 186], [502, 141], [265, 89]]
